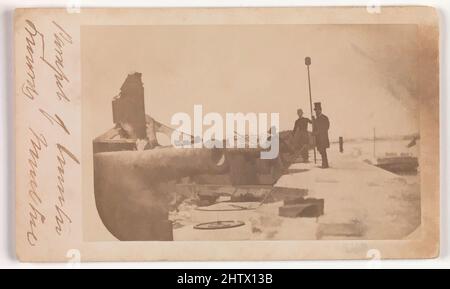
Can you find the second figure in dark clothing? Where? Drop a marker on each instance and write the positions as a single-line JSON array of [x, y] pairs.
[[300, 134]]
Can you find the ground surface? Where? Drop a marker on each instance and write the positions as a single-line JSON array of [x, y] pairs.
[[361, 202]]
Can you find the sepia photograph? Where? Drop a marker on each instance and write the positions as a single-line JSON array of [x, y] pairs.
[[252, 132]]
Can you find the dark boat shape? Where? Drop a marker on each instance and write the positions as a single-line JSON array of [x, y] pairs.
[[398, 164]]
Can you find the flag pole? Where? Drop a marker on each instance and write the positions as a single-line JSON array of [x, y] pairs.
[[308, 63]]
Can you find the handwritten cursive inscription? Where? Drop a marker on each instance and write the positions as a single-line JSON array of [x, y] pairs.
[[61, 216], [52, 58], [38, 143], [55, 119], [29, 86], [61, 38]]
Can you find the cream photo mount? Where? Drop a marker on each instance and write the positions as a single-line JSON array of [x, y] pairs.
[[63, 71]]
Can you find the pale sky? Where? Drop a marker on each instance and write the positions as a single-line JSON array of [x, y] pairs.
[[364, 75]]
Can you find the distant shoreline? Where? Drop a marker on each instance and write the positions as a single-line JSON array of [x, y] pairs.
[[380, 138]]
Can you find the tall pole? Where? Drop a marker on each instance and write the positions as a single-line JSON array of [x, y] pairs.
[[308, 63]]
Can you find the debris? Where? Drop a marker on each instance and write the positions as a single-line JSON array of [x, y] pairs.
[[224, 199], [317, 211], [219, 225], [256, 230], [413, 142], [302, 200], [205, 199], [305, 210], [128, 107], [354, 228], [248, 196], [282, 193]]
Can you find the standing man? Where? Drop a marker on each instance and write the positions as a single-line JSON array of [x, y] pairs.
[[321, 124], [300, 134]]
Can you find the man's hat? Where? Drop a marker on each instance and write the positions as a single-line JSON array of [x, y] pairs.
[[317, 106]]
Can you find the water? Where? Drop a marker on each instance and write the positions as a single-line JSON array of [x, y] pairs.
[[365, 150]]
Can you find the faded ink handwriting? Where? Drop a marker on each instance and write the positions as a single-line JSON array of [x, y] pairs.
[[61, 38], [52, 58], [29, 86], [61, 216], [55, 119], [38, 143]]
